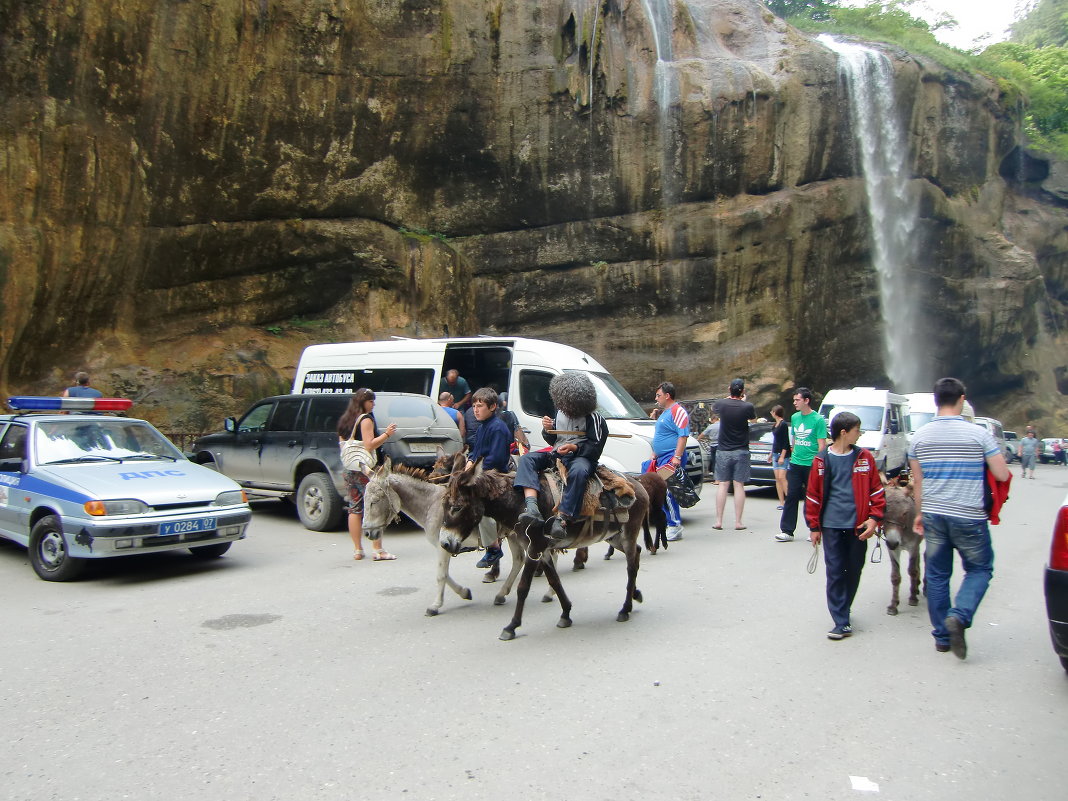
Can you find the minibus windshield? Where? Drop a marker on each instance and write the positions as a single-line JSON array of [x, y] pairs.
[[614, 402]]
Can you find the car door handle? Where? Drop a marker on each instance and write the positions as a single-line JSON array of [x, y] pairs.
[[292, 443]]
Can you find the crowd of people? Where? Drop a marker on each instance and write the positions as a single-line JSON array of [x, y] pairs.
[[820, 474]]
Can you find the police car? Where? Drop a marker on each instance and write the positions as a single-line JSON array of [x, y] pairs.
[[78, 484]]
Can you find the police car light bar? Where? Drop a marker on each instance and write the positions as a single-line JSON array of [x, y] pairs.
[[29, 403]]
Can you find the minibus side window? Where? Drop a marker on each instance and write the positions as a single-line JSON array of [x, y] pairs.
[[534, 396]]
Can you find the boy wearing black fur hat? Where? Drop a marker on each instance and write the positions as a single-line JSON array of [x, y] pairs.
[[579, 448]]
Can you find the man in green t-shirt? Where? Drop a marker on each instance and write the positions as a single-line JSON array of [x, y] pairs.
[[808, 431]]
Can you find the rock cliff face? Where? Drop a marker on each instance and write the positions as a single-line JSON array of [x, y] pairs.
[[194, 191]]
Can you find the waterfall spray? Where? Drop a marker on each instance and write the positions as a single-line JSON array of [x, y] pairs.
[[892, 206], [660, 14]]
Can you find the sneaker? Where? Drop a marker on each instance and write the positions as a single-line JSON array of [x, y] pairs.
[[674, 533], [957, 645], [558, 530], [784, 536], [529, 518], [492, 556], [942, 647], [840, 633]]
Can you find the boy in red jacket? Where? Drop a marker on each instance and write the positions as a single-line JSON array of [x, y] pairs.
[[844, 504]]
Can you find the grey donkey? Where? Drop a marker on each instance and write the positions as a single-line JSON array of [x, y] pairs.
[[897, 530]]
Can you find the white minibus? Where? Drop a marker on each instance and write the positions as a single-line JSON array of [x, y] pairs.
[[524, 367]]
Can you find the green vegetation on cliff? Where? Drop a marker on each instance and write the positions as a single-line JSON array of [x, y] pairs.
[[1033, 66]]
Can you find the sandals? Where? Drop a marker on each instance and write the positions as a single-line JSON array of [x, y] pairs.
[[383, 556], [358, 555]]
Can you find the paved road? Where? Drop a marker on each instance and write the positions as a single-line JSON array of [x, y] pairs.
[[287, 671]]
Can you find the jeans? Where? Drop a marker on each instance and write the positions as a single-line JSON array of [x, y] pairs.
[[843, 553], [579, 469], [796, 487], [971, 538]]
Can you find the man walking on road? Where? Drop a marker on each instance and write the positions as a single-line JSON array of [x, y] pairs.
[[669, 448], [732, 454], [948, 459], [808, 430]]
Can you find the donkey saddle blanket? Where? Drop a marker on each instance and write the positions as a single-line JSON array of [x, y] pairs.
[[608, 493]]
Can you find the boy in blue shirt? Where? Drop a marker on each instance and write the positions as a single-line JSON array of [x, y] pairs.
[[493, 445]]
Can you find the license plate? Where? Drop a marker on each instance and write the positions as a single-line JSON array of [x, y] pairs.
[[187, 526], [423, 447]]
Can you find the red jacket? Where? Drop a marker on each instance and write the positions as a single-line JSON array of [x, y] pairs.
[[868, 494]]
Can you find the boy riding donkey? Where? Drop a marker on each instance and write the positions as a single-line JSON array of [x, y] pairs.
[[577, 437]]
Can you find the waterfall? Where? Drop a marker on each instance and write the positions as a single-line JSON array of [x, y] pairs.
[[661, 18], [892, 206]]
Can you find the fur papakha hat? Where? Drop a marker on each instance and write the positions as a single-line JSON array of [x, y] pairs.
[[573, 394]]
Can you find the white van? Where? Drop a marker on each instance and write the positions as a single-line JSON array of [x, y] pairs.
[[524, 367], [922, 410], [883, 422]]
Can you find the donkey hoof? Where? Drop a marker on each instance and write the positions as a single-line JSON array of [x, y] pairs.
[[579, 566], [891, 610], [637, 595], [431, 612], [622, 617], [507, 635], [563, 623], [914, 601], [607, 556], [546, 599], [466, 594], [498, 600]]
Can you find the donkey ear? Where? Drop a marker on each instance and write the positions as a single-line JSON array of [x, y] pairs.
[[477, 471], [458, 462], [387, 465]]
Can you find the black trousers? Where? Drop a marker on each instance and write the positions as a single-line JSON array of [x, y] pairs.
[[843, 553], [796, 485]]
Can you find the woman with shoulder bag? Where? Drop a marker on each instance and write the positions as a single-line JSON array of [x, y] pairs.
[[359, 441]]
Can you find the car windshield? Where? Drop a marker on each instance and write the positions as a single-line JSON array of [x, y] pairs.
[[917, 419], [109, 439], [871, 417], [614, 402]]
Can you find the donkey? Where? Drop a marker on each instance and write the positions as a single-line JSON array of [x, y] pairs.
[[898, 519], [657, 489], [474, 493], [391, 491]]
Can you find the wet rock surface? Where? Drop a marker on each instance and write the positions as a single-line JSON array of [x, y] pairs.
[[193, 192]]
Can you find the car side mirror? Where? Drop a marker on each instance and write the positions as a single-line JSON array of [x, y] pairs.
[[230, 424], [11, 466]]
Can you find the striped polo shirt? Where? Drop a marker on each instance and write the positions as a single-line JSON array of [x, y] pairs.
[[952, 454]]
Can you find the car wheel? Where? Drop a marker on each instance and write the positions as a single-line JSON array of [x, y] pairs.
[[49, 555], [1064, 663], [318, 504], [210, 551]]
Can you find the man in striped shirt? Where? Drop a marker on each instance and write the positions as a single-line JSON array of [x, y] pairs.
[[948, 458]]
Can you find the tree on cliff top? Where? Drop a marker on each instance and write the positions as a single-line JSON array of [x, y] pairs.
[[1045, 25]]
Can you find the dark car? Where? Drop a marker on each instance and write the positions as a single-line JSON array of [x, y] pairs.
[[760, 472], [1057, 586], [287, 445]]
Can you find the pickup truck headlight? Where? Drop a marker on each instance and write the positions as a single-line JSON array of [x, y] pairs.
[[125, 506], [231, 498]]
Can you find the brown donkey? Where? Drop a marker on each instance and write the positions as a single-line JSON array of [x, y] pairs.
[[471, 494]]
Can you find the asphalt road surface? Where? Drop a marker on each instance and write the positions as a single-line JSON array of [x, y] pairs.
[[286, 670]]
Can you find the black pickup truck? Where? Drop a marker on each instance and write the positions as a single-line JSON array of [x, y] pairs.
[[287, 446]]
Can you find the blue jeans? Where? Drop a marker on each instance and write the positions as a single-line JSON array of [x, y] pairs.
[[971, 538], [579, 470]]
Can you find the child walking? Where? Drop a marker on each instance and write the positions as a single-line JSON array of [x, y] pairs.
[[845, 502]]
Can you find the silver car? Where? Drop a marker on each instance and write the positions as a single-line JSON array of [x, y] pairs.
[[85, 486]]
